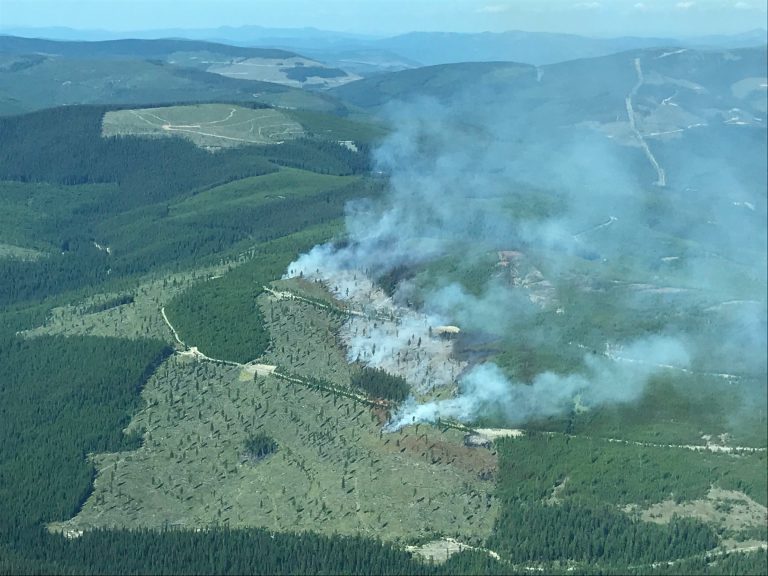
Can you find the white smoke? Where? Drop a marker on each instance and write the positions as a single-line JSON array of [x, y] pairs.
[[462, 180], [485, 388], [380, 333]]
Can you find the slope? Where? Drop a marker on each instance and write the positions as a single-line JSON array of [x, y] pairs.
[[33, 82]]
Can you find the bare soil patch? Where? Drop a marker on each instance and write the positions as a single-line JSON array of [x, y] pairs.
[[440, 550]]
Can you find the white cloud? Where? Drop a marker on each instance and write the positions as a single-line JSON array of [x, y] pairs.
[[742, 6], [685, 5], [640, 6]]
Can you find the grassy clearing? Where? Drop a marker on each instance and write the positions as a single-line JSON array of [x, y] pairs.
[[207, 125], [18, 252], [311, 290], [739, 517], [334, 471]]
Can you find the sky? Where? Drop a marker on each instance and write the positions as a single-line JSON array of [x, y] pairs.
[[388, 17]]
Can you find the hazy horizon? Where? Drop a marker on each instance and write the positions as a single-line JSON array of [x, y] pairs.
[[666, 18]]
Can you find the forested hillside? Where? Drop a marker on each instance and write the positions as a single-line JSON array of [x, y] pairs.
[[221, 316], [183, 391], [61, 399], [64, 398], [68, 191], [129, 48], [89, 205], [37, 74]]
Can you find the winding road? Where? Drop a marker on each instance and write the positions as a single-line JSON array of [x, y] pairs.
[[661, 177]]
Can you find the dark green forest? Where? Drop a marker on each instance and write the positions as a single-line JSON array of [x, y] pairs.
[[61, 399], [378, 383], [222, 318], [598, 471], [260, 446], [120, 191], [533, 531]]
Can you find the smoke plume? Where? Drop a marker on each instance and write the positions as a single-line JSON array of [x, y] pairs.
[[551, 209], [485, 387]]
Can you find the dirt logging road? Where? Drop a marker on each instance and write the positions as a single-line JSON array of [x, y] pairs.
[[661, 177]]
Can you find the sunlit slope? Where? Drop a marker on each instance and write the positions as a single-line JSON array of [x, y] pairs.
[[443, 81], [34, 82], [108, 71], [215, 126], [333, 472]]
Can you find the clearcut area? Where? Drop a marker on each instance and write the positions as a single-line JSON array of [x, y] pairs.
[[210, 126]]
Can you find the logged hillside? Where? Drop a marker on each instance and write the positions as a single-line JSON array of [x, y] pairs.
[[181, 394]]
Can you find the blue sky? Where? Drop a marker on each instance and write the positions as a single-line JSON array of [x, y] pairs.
[[598, 18]]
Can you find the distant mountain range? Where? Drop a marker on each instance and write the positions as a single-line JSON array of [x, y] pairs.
[[129, 48], [241, 35], [539, 48], [368, 54]]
